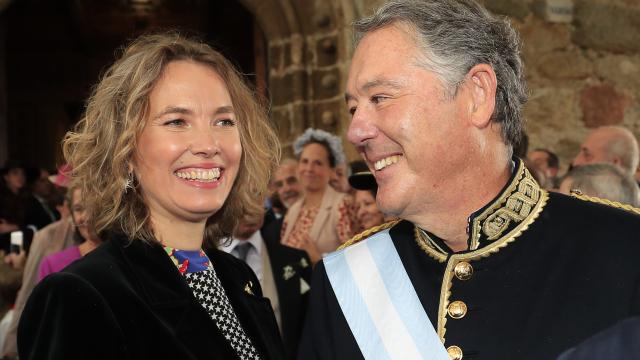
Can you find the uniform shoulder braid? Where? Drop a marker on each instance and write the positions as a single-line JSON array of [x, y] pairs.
[[371, 231], [579, 195]]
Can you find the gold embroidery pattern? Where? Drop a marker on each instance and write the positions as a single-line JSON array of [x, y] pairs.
[[365, 234], [521, 172], [517, 208], [428, 246], [492, 248], [579, 195]]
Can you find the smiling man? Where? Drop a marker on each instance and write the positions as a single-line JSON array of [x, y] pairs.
[[484, 263]]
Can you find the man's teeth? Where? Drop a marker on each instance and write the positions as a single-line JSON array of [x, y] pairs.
[[199, 174], [383, 163]]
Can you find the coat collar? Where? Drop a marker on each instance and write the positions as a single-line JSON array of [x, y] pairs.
[[171, 298], [498, 222]]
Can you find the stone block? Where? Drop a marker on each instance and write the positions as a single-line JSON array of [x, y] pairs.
[[327, 51], [326, 115], [326, 83], [554, 11], [276, 57], [290, 121], [609, 27], [565, 65], [538, 37], [620, 69], [518, 9], [288, 87], [553, 116], [602, 105]]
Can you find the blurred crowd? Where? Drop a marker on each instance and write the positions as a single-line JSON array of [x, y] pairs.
[[318, 202], [605, 166]]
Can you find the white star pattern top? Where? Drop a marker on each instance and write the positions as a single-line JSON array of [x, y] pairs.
[[206, 287]]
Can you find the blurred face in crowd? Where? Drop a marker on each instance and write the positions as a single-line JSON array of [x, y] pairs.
[[248, 226], [340, 181], [80, 217], [566, 185], [593, 150], [541, 160], [42, 186], [405, 125], [314, 169], [15, 179], [189, 151], [286, 184], [367, 212]]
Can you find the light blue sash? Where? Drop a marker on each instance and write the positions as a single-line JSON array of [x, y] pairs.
[[379, 302]]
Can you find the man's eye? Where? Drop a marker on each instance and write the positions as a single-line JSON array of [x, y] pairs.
[[352, 110], [376, 99]]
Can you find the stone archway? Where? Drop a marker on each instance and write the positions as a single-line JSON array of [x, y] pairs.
[[307, 54]]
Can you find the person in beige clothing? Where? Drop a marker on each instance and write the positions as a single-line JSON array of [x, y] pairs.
[[52, 238], [323, 218]]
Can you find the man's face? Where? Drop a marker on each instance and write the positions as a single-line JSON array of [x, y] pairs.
[[286, 184], [248, 225], [340, 181], [413, 137], [541, 160], [593, 150], [42, 186]]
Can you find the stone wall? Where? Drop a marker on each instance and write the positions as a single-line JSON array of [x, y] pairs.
[[308, 53], [582, 61]]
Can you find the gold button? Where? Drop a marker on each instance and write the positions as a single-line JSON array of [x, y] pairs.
[[457, 309], [463, 270], [455, 353]]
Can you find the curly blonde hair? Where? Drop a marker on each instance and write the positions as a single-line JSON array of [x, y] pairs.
[[103, 144]]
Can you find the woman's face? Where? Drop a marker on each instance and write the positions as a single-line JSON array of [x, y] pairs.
[[367, 213], [80, 217], [15, 179], [314, 170], [189, 152]]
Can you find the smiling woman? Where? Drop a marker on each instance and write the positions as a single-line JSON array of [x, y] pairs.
[[171, 151]]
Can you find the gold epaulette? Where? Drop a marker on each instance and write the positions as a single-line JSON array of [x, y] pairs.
[[579, 195], [365, 234]]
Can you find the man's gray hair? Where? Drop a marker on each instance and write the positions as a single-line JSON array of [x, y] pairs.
[[605, 181], [624, 146], [454, 36]]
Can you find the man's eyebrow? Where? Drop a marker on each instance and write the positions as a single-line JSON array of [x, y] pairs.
[[394, 84]]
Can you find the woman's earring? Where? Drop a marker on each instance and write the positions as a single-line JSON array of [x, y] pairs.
[[128, 184]]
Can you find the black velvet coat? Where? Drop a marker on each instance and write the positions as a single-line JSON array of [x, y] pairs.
[[128, 301], [562, 272]]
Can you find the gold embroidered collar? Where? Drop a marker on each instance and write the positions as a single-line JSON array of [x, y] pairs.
[[517, 205]]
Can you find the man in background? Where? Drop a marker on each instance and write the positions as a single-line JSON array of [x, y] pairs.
[[605, 181], [284, 274], [610, 144], [548, 163]]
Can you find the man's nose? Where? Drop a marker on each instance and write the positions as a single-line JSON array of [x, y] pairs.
[[361, 128]]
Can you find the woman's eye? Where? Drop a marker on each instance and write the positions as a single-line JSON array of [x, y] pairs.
[[174, 122], [226, 122]]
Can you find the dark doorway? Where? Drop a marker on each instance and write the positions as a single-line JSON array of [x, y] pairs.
[[56, 50]]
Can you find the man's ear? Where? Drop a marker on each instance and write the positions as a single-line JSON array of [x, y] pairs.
[[482, 83]]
